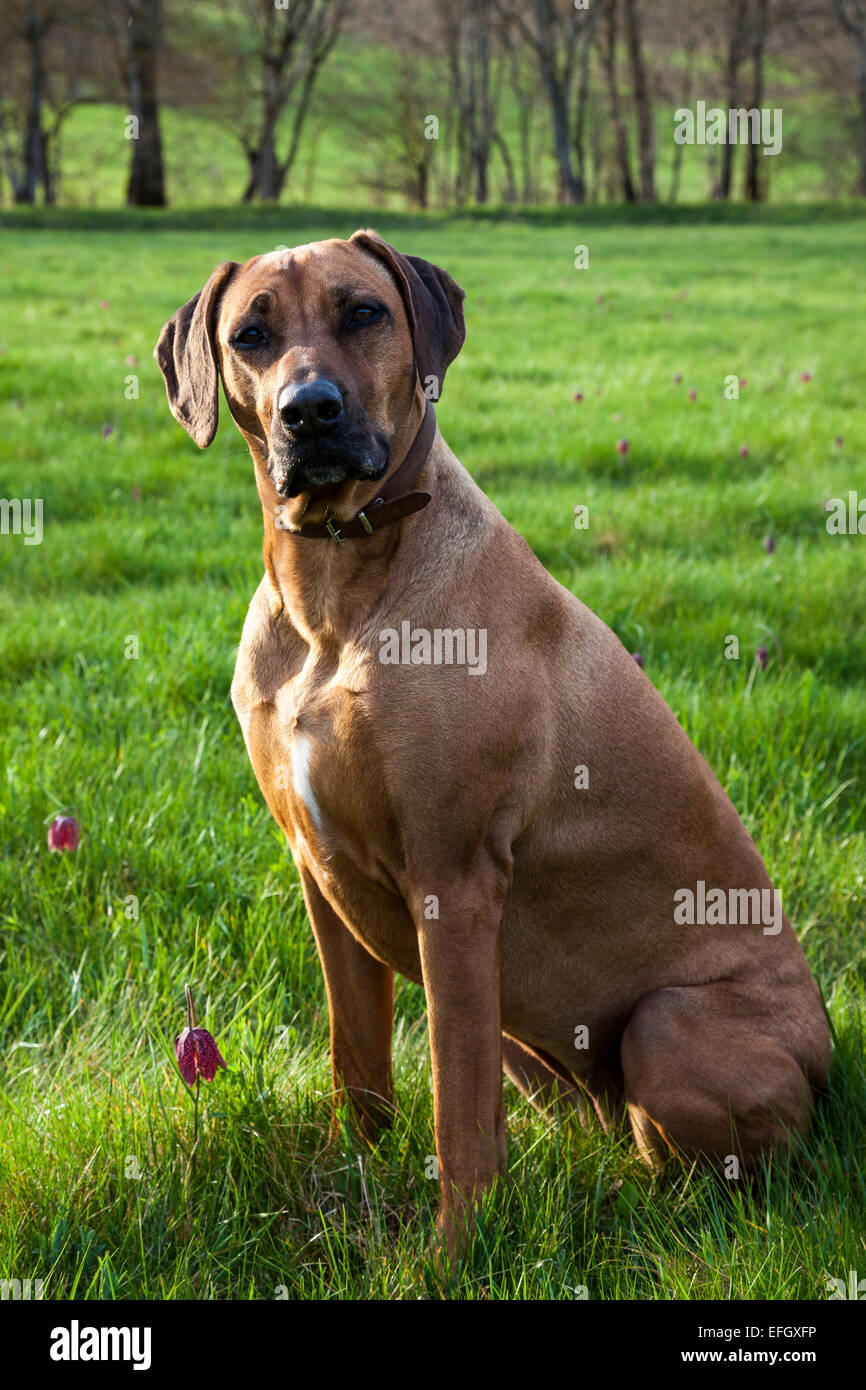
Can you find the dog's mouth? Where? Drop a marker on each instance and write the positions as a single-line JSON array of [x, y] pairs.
[[314, 471]]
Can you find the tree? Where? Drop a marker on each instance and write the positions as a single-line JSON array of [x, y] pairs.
[[524, 88], [760, 21], [558, 30], [851, 15], [281, 65], [36, 28], [583, 81], [643, 102], [22, 100], [467, 36], [691, 43], [402, 121], [52, 62], [617, 124], [737, 38], [146, 184]]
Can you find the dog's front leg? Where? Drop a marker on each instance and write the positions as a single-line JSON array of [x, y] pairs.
[[460, 964], [361, 1008]]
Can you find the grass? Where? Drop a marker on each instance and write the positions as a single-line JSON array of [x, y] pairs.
[[182, 875]]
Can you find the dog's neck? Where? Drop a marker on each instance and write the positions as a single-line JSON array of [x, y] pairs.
[[328, 588]]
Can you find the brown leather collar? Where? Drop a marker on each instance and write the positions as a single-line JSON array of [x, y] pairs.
[[388, 506]]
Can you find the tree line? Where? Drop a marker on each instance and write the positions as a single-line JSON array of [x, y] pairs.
[[577, 85]]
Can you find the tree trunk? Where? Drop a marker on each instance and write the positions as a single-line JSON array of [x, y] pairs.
[[676, 168], [523, 99], [13, 169], [264, 180], [467, 38], [146, 185], [580, 116], [482, 123], [862, 88], [507, 164], [619, 132], [571, 188], [754, 190], [422, 177], [851, 14], [735, 55], [645, 129], [34, 139]]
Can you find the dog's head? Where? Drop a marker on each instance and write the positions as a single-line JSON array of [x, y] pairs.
[[319, 349]]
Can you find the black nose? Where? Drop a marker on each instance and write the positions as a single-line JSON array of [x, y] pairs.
[[311, 408]]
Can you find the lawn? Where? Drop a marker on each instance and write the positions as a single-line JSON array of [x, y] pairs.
[[711, 525]]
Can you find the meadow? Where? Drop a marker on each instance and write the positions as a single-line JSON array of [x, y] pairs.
[[711, 525]]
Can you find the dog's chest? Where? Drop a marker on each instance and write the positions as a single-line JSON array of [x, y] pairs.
[[310, 746]]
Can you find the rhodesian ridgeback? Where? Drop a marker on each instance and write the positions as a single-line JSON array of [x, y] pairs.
[[480, 788]]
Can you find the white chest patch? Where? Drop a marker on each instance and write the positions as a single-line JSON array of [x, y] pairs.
[[301, 751]]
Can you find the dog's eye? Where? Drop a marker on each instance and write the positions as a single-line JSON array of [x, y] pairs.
[[249, 337], [364, 313]]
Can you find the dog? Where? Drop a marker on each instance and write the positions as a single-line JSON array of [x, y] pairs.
[[533, 838]]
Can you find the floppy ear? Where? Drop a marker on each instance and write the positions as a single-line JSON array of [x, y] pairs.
[[186, 353], [434, 308]]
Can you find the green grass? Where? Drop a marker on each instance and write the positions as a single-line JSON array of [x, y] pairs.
[[146, 536]]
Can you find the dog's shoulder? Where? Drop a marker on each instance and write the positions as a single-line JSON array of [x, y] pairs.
[[270, 650]]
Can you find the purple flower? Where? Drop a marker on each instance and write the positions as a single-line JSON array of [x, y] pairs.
[[744, 453], [197, 1055], [678, 376], [638, 657], [622, 446], [770, 545], [63, 834], [763, 657]]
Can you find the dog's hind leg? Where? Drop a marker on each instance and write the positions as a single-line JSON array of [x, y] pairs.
[[711, 1073]]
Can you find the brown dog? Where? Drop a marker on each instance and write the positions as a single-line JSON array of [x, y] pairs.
[[480, 788]]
